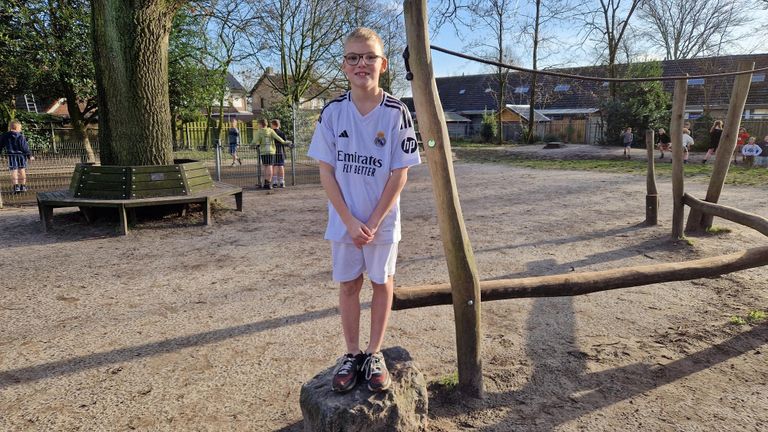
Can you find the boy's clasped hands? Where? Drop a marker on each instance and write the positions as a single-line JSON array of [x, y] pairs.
[[361, 233]]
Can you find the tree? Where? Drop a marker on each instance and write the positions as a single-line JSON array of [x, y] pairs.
[[692, 28], [192, 86], [639, 105], [543, 14], [230, 25], [130, 42], [56, 33], [303, 36], [607, 25], [13, 70]]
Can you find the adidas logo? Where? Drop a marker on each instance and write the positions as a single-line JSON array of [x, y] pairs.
[[344, 134]]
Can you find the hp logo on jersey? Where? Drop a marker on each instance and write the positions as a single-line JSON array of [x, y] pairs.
[[409, 145]]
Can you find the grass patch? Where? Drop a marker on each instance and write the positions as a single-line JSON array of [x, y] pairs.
[[449, 381], [737, 175], [737, 320], [718, 230], [755, 316]]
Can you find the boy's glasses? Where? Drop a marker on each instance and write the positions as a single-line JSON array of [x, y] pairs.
[[368, 59]]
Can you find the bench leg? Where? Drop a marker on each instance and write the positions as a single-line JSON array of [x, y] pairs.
[[87, 214], [46, 216], [239, 201], [123, 219], [207, 212]]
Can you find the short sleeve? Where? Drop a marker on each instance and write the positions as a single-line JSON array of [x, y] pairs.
[[406, 151], [323, 144]]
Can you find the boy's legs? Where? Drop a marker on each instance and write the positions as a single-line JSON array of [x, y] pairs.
[[381, 305], [349, 308], [15, 179]]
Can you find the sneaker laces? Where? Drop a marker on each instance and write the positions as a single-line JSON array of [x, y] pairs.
[[371, 364], [346, 364]]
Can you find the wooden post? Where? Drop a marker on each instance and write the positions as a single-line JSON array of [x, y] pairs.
[[462, 271], [698, 221], [652, 194], [676, 134]]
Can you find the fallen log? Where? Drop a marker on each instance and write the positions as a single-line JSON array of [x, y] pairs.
[[750, 220], [573, 284]]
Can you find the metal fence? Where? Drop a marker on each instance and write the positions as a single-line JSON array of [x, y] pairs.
[[52, 170]]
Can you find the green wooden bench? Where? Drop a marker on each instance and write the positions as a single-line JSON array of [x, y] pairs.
[[47, 201]]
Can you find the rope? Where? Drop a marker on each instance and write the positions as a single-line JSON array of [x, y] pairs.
[[590, 78]]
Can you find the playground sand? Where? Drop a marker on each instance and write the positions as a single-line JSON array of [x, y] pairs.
[[179, 326]]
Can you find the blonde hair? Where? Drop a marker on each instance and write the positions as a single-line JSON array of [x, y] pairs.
[[364, 34], [14, 125]]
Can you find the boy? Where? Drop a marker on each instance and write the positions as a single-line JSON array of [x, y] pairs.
[[278, 176], [233, 135], [17, 149], [365, 143], [627, 138], [266, 138]]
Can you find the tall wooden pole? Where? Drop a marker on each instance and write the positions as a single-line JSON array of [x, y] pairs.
[[462, 271], [676, 134], [698, 221], [652, 194]]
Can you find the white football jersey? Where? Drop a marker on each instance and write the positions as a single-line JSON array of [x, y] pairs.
[[363, 151]]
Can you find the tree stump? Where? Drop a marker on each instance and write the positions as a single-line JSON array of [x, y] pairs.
[[402, 408]]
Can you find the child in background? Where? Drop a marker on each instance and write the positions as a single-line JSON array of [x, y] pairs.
[[687, 144], [15, 145], [664, 141], [627, 138], [762, 160], [742, 139], [749, 151], [233, 135]]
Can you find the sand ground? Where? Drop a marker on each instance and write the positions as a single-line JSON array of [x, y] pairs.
[[184, 327]]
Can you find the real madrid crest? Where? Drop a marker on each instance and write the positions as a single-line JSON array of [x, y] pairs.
[[380, 139]]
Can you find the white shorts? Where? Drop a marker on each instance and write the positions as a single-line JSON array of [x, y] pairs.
[[349, 262]]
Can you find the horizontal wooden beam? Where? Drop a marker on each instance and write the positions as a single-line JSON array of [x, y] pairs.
[[750, 220], [573, 284]]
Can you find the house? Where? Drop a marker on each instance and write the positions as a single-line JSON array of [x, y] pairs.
[[265, 93], [573, 106], [235, 101]]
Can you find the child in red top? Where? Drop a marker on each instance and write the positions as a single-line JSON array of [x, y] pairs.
[[742, 139]]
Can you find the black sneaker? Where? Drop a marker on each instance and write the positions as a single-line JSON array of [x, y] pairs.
[[376, 373], [239, 161], [282, 186], [346, 374], [16, 189], [23, 188]]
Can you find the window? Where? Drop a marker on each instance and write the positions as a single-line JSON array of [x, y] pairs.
[[696, 82], [462, 91], [759, 77], [522, 89], [562, 87]]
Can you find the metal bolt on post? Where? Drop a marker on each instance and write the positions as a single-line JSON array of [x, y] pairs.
[[217, 146]]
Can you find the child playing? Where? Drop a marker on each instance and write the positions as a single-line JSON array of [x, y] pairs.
[[278, 176], [233, 135], [749, 151], [627, 138], [17, 149], [365, 143], [265, 138], [687, 144], [664, 142]]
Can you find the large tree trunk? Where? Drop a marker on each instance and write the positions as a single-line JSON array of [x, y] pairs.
[[79, 123], [130, 40]]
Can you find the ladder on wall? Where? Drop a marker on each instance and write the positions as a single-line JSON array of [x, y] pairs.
[[29, 101]]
